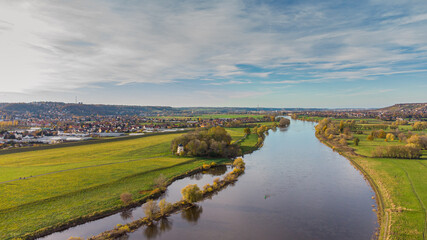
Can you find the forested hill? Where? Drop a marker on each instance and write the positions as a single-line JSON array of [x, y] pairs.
[[406, 107], [59, 108]]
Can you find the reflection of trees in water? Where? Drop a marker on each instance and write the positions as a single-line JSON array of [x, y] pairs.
[[196, 176], [151, 231], [126, 214], [123, 237], [217, 171], [283, 129], [192, 214], [165, 225], [155, 229]]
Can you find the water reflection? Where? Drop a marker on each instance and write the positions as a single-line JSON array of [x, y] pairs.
[[126, 214], [192, 215], [124, 237], [196, 176], [165, 224], [216, 171], [151, 231], [157, 228]]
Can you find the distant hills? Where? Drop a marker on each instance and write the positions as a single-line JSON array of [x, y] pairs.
[[406, 107], [57, 109]]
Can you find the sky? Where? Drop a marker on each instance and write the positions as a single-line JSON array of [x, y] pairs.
[[215, 53]]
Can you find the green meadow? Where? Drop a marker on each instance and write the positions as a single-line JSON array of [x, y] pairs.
[[46, 188]]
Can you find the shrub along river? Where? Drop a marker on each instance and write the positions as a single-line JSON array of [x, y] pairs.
[[294, 187]]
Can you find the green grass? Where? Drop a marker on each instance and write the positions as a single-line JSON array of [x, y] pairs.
[[248, 144], [83, 180], [216, 116]]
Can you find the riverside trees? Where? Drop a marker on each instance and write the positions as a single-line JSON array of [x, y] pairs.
[[284, 122]]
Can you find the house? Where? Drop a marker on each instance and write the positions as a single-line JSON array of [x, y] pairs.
[[180, 149]]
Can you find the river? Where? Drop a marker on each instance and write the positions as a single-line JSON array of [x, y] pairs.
[[294, 187]]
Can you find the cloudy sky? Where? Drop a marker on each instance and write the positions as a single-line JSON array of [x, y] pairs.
[[215, 53]]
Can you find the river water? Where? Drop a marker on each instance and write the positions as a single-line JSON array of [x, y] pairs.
[[294, 187]]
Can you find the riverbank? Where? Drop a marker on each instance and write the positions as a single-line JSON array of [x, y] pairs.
[[399, 184]]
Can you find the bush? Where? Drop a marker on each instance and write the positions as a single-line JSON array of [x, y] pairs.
[[124, 228], [164, 207], [239, 163], [191, 193], [126, 198], [150, 209], [343, 142], [206, 187], [389, 137], [370, 138], [160, 181]]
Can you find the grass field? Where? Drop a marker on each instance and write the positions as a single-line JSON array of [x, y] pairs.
[[81, 180], [215, 116], [402, 186], [65, 183]]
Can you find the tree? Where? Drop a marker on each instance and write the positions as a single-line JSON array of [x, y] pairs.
[[150, 209], [191, 193], [247, 131], [164, 207], [341, 126], [356, 141], [284, 122]]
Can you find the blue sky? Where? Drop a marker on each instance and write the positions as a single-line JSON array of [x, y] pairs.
[[215, 53]]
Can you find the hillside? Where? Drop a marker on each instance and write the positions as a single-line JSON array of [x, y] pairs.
[[406, 107], [64, 109]]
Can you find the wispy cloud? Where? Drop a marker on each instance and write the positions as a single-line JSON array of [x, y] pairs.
[[76, 44]]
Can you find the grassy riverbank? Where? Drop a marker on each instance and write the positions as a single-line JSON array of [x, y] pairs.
[[44, 189], [399, 183]]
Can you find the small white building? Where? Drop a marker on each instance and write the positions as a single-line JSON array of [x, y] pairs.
[[180, 149]]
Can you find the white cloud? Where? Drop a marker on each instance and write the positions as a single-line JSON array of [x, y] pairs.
[[51, 46]]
